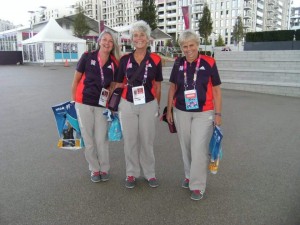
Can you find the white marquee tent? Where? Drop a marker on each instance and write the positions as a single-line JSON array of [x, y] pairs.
[[53, 44]]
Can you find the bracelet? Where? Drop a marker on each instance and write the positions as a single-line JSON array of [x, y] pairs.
[[218, 114]]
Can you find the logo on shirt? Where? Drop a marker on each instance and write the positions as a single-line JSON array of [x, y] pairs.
[[93, 62], [181, 68], [109, 67], [149, 65], [202, 68]]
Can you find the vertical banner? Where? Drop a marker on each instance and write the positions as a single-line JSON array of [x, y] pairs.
[[101, 28], [186, 16]]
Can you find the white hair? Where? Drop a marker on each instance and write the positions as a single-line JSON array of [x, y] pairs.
[[140, 26], [188, 35]]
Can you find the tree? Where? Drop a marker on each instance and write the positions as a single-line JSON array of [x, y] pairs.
[[148, 13], [205, 24], [238, 30], [81, 27], [220, 41]]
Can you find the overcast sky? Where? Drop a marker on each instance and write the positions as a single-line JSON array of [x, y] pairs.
[[16, 11]]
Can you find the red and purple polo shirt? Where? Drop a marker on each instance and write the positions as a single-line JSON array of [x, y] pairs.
[[207, 77], [128, 66], [90, 86]]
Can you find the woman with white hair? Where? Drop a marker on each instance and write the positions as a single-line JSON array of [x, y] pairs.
[[140, 73], [92, 84], [196, 100]]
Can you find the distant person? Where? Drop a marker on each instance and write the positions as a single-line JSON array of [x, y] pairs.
[[93, 79], [195, 97], [139, 105]]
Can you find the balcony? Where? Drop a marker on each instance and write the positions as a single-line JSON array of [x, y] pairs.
[[172, 15], [171, 22], [247, 15], [271, 2], [248, 5], [171, 30], [247, 24], [197, 2], [172, 7]]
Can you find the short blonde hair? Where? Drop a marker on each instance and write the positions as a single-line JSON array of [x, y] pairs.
[[140, 26], [116, 49], [188, 35]]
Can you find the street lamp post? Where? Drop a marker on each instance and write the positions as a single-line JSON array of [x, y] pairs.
[[31, 23]]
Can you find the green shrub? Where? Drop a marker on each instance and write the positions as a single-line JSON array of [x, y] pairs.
[[278, 35], [297, 35], [205, 53]]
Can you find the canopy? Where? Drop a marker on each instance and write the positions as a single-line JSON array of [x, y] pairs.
[[52, 32]]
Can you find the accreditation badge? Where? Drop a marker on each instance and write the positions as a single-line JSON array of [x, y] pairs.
[[191, 99], [138, 94], [103, 97]]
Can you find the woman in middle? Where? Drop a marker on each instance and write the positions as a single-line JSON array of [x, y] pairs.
[[140, 74]]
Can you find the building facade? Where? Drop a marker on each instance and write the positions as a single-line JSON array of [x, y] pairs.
[[257, 15], [295, 18], [6, 25]]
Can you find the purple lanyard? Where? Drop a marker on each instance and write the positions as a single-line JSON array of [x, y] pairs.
[[195, 74], [145, 74], [101, 70]]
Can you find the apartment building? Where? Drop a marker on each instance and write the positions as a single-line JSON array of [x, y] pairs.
[[117, 13], [257, 15], [42, 13], [6, 25], [295, 18]]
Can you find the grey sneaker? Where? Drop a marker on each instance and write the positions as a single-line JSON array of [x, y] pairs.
[[95, 177], [104, 176], [197, 195], [130, 182], [185, 183], [153, 182]]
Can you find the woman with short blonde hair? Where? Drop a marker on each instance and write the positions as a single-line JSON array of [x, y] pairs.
[[196, 101]]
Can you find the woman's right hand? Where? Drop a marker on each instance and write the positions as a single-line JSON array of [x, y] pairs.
[[170, 117]]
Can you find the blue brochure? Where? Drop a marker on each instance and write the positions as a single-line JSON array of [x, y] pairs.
[[67, 126], [215, 147]]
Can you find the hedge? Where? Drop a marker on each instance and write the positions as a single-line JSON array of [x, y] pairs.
[[278, 35]]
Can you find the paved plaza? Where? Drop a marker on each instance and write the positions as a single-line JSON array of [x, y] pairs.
[[258, 182]]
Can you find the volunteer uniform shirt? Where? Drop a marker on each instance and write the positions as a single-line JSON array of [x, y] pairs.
[[154, 74], [90, 86], [207, 77]]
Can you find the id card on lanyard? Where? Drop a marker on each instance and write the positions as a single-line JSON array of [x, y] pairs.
[[103, 97], [104, 92], [138, 94], [190, 96]]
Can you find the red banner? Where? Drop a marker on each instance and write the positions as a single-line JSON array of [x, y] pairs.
[[101, 28], [186, 16]]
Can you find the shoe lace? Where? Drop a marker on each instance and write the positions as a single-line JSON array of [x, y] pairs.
[[103, 173], [130, 178], [96, 173], [197, 192], [152, 179]]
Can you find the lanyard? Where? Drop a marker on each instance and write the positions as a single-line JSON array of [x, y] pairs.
[[145, 74], [101, 70], [195, 74]]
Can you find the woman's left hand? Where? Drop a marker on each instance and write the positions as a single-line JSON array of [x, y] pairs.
[[218, 120]]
